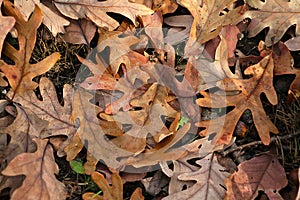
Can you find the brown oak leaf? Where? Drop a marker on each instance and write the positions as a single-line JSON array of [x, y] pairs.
[[209, 180], [51, 17], [273, 14], [21, 73], [97, 10], [49, 109], [92, 134], [261, 173], [208, 20], [39, 168], [248, 97]]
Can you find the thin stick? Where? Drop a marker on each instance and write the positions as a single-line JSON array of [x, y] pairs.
[[273, 139]]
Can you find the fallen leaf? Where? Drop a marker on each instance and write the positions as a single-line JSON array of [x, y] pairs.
[[248, 97], [81, 31], [180, 28], [209, 180], [49, 109], [208, 20], [273, 14], [92, 135], [39, 168], [261, 173], [25, 127], [20, 74], [114, 192], [6, 23], [97, 10], [153, 28], [293, 44], [53, 20]]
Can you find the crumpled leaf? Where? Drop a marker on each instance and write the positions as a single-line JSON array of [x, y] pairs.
[[277, 15], [114, 192], [6, 23], [53, 20], [248, 97], [209, 180], [260, 173], [49, 109], [162, 151], [145, 121], [20, 74], [96, 10], [208, 20], [39, 168], [81, 31]]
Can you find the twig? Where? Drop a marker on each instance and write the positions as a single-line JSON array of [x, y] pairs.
[[273, 139]]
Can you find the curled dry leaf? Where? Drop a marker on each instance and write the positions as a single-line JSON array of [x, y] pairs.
[[273, 14], [261, 173], [20, 74], [97, 10], [209, 180], [147, 120], [39, 168], [248, 97]]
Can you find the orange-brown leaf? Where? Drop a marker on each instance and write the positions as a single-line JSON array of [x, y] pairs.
[[21, 73], [248, 97]]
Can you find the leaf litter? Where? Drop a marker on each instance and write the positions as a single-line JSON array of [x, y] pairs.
[[164, 89]]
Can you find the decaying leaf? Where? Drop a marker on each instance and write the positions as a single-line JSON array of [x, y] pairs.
[[21, 73], [6, 23], [39, 168], [209, 180], [261, 173], [97, 10], [248, 97], [114, 192], [278, 15], [49, 109]]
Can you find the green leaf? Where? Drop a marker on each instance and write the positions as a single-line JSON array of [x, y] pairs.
[[182, 121], [77, 166]]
